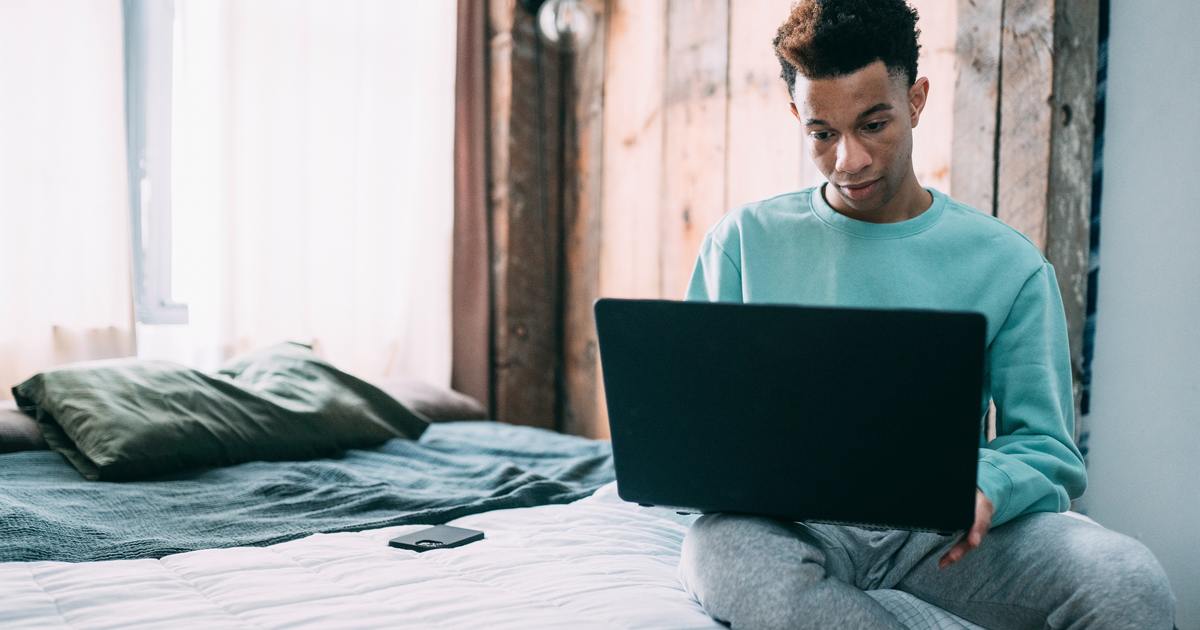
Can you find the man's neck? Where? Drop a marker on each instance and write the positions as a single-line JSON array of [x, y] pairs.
[[911, 200]]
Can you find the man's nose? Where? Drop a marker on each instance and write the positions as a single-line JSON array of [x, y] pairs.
[[852, 156]]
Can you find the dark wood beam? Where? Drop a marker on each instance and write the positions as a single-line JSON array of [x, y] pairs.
[[526, 209], [584, 132]]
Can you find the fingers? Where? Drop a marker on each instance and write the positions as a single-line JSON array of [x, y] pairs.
[[983, 520], [955, 554], [969, 542]]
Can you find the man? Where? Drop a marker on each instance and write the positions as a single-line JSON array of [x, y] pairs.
[[872, 236]]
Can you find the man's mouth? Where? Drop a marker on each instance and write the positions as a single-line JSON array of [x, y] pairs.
[[859, 191]]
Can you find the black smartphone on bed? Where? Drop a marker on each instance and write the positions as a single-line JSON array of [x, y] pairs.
[[438, 537]]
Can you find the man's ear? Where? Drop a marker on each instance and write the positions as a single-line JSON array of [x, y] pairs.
[[795, 112], [918, 95]]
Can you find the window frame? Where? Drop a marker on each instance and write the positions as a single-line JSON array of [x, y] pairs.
[[149, 30]]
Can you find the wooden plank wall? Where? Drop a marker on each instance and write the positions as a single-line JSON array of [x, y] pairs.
[[933, 137], [1072, 135], [675, 114], [695, 106], [976, 99], [695, 122], [763, 150], [583, 233], [1027, 78], [525, 204], [632, 167]]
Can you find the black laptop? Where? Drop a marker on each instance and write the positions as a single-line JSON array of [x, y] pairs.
[[861, 416]]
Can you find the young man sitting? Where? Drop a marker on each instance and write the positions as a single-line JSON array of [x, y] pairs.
[[872, 236]]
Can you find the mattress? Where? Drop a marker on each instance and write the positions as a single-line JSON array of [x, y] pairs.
[[595, 563]]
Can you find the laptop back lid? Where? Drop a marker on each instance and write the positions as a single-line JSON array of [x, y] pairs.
[[865, 416]]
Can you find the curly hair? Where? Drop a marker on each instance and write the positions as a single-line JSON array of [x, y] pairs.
[[829, 38]]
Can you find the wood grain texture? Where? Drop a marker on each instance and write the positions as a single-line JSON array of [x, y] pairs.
[[499, 34], [633, 165], [526, 196], [1046, 70], [933, 136], [763, 149], [695, 133], [1076, 24], [976, 99], [1026, 116], [689, 129], [632, 161], [583, 201]]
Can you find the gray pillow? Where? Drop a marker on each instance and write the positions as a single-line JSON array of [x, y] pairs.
[[129, 419], [18, 431], [435, 403]]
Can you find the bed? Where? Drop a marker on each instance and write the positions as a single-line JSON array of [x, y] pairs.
[[561, 548], [264, 496]]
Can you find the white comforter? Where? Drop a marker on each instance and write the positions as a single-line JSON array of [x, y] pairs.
[[596, 563]]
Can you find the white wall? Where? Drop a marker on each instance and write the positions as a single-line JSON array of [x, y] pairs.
[[1145, 419]]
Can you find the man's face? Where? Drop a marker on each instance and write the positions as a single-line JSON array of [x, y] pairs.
[[858, 130]]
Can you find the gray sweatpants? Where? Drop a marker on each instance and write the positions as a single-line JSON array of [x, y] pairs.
[[1037, 571]]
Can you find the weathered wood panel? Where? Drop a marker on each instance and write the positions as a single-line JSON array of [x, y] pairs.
[[526, 209], [933, 137], [763, 154], [632, 162], [695, 133], [976, 98], [1047, 92], [1046, 69], [633, 165], [500, 49], [1026, 116], [688, 129], [583, 204], [1072, 135], [976, 75]]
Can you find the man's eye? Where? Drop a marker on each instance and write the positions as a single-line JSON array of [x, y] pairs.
[[875, 126], [820, 135]]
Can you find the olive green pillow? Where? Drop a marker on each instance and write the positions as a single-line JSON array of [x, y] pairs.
[[131, 419]]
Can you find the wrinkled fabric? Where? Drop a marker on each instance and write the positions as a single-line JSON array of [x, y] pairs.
[[48, 512], [133, 419], [1038, 571]]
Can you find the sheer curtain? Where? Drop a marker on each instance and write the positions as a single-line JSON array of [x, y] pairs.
[[312, 182], [64, 218]]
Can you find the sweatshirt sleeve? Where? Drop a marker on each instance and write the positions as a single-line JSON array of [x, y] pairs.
[[715, 276], [1033, 464]]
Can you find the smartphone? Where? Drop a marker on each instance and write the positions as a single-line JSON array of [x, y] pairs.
[[438, 537]]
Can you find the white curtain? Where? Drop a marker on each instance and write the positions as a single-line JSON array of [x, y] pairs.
[[312, 187], [64, 220]]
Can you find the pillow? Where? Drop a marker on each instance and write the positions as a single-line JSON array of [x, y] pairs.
[[129, 419], [433, 402], [18, 431]]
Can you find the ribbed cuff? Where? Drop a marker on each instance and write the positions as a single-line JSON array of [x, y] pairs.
[[997, 487]]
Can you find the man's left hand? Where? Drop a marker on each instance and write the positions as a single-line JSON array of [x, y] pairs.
[[983, 520]]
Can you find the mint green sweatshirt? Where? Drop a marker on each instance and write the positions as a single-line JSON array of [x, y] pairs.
[[796, 249]]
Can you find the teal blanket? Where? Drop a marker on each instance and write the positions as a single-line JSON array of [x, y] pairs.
[[48, 512]]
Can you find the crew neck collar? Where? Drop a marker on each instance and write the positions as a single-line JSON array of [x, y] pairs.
[[866, 229]]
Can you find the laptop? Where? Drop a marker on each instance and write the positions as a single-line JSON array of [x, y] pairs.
[[869, 417]]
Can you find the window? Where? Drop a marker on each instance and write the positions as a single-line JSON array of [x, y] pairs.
[[148, 59]]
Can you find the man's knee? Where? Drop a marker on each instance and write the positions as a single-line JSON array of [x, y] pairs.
[[730, 560], [1116, 578]]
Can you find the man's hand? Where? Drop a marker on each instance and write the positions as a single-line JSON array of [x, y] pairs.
[[983, 520]]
